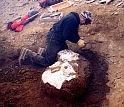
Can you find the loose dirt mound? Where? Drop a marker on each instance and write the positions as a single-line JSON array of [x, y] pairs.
[[20, 86]]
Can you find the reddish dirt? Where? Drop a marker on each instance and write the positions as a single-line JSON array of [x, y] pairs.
[[21, 86]]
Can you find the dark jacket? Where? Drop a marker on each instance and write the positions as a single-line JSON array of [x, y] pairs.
[[67, 28]]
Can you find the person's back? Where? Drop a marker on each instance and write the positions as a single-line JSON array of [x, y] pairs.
[[67, 27]]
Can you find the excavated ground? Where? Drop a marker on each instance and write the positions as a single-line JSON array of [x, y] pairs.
[[21, 86]]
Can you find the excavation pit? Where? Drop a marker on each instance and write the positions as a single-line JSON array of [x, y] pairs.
[[81, 69]]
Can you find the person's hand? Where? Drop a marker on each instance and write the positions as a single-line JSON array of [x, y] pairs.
[[81, 43]]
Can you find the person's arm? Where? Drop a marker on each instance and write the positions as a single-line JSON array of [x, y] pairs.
[[70, 32]]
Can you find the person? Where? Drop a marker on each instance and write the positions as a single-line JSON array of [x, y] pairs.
[[64, 29]]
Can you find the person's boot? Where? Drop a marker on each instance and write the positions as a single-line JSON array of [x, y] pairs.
[[40, 51], [26, 55]]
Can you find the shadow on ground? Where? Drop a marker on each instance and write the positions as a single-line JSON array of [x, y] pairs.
[[97, 88]]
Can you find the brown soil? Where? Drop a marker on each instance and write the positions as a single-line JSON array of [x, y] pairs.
[[21, 86]]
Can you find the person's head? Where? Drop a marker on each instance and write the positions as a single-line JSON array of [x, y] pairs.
[[85, 18]]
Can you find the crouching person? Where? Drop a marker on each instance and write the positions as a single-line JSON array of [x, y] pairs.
[[64, 29]]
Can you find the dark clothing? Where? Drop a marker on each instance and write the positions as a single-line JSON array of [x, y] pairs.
[[65, 29], [53, 46]]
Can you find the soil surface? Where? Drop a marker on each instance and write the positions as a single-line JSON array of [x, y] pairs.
[[21, 86]]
